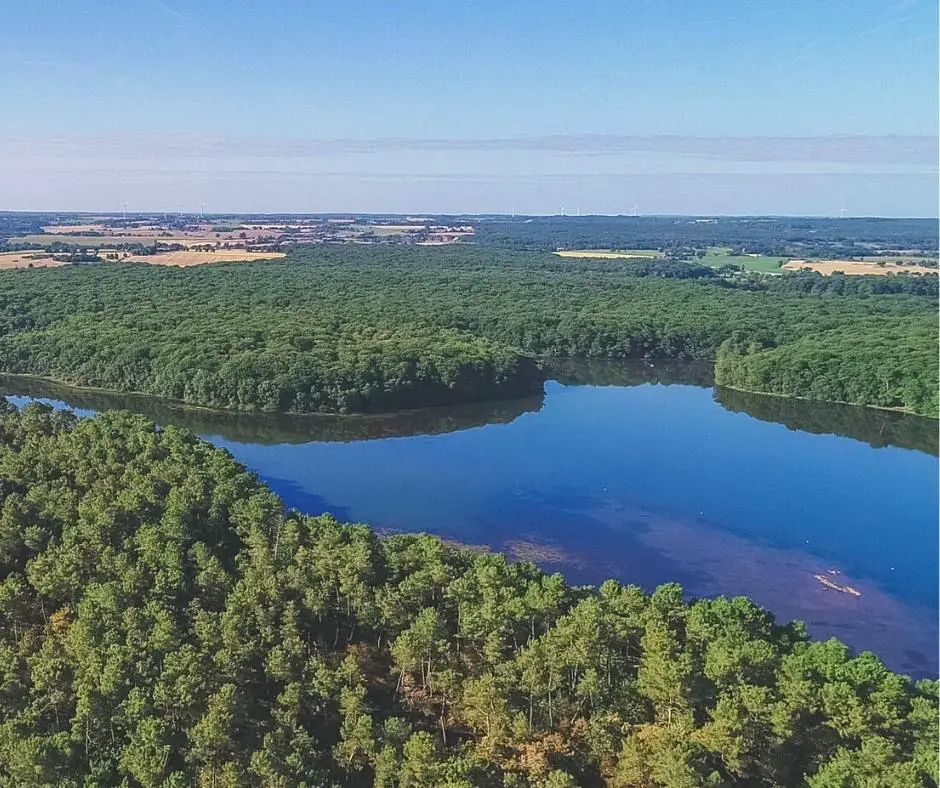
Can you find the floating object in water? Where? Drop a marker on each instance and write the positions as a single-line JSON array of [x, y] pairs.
[[836, 587]]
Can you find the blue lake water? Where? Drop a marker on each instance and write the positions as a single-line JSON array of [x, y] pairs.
[[648, 483]]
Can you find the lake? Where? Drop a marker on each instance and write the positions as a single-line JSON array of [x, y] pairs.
[[642, 472]]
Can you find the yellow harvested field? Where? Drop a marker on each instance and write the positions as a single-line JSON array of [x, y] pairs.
[[73, 228], [185, 259], [27, 259], [606, 255], [855, 267], [94, 235], [183, 239]]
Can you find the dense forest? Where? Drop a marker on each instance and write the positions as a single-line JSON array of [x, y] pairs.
[[879, 362], [165, 622], [370, 328], [771, 235], [812, 283]]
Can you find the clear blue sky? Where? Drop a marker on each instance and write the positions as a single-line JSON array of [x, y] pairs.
[[470, 105]]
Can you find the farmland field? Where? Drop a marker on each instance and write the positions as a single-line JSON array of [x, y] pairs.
[[856, 267], [27, 259], [38, 259], [186, 259], [717, 257], [95, 241]]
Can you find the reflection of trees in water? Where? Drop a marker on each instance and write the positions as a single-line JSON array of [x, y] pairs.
[[614, 372], [305, 428], [872, 426], [875, 427], [280, 427]]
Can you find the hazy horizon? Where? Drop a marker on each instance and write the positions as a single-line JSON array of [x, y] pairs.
[[159, 213], [797, 109]]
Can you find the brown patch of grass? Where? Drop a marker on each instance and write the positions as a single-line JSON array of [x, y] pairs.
[[146, 235], [602, 254], [186, 259], [27, 259], [855, 267]]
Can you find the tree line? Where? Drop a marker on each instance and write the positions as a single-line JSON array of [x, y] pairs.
[[369, 328], [774, 236], [165, 622], [878, 362]]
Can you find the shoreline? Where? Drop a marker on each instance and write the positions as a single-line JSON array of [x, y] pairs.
[[903, 411], [190, 406], [183, 405]]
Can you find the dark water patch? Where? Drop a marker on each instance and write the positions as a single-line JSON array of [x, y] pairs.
[[296, 497]]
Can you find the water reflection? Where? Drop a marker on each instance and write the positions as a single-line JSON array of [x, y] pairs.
[[877, 428], [614, 372], [278, 428]]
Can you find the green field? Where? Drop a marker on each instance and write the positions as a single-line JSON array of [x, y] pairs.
[[717, 257]]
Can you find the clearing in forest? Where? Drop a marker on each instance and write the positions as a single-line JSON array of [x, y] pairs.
[[716, 257], [186, 259], [856, 267], [607, 254], [28, 259]]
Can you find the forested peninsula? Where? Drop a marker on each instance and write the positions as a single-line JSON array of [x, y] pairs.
[[165, 622], [377, 328]]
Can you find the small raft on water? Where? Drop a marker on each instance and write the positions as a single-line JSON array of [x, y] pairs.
[[836, 587]]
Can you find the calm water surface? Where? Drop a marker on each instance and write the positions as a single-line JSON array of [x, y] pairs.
[[723, 492]]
